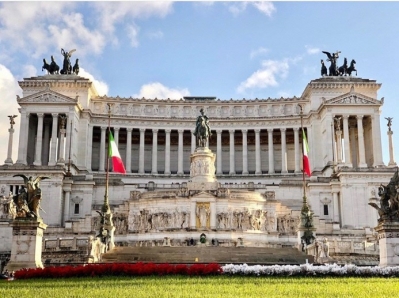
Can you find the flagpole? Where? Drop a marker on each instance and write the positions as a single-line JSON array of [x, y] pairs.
[[306, 226], [106, 207]]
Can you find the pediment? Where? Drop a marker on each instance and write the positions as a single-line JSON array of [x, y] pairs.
[[47, 96], [352, 98]]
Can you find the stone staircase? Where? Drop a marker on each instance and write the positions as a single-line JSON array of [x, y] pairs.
[[207, 254]]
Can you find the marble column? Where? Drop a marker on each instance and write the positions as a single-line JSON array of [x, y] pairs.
[[180, 153], [193, 141], [297, 150], [283, 151], [154, 169], [8, 161], [129, 149], [376, 136], [116, 136], [348, 160], [68, 137], [141, 151], [354, 146], [167, 151], [338, 135], [392, 161], [244, 151], [258, 169], [336, 208], [46, 142], [102, 149], [232, 158], [219, 170], [39, 140], [271, 150], [23, 137], [54, 134], [67, 188], [360, 137], [89, 147]]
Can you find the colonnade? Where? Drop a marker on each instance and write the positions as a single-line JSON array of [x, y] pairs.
[[233, 156]]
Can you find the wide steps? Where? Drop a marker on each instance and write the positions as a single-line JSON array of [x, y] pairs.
[[207, 254]]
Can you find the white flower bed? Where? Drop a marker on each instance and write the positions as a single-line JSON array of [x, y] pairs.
[[310, 270]]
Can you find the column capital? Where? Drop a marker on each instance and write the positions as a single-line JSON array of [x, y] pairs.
[[168, 131], [232, 131], [359, 117], [40, 115], [295, 128], [219, 131], [55, 115], [244, 130], [155, 130], [257, 130], [129, 129], [142, 129], [103, 128], [345, 117], [283, 129], [270, 130], [180, 131], [117, 128]]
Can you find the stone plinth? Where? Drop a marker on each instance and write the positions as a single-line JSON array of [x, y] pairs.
[[202, 167], [26, 248], [388, 237]]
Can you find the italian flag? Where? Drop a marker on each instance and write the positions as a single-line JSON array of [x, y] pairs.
[[116, 157], [306, 162]]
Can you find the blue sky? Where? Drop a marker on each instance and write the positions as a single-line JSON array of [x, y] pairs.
[[223, 49]]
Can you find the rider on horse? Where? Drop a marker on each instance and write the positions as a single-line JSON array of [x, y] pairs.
[[201, 134]]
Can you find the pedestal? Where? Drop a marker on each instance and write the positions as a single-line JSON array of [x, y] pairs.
[[26, 248], [202, 165], [388, 237]]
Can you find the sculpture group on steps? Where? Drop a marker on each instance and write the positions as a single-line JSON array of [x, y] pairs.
[[334, 70]]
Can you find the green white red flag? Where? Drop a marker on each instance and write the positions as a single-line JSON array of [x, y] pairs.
[[306, 161], [116, 157]]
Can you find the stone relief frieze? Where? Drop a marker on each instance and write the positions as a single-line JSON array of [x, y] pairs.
[[47, 97], [135, 195], [256, 220], [287, 224], [147, 220]]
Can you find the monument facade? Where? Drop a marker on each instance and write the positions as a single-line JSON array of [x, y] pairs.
[[231, 169]]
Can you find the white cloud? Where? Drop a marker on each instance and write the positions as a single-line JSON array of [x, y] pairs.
[[111, 13], [264, 7], [259, 51], [101, 87], [157, 90], [312, 50], [155, 34], [132, 33], [266, 76], [8, 89]]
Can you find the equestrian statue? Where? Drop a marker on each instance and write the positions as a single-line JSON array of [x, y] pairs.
[[202, 130]]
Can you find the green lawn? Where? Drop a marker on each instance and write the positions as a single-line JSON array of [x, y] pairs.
[[220, 286]]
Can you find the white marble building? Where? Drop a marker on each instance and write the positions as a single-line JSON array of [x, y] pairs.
[[257, 143]]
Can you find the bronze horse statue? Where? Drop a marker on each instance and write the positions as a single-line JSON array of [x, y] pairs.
[[351, 67], [342, 70], [51, 68], [202, 134]]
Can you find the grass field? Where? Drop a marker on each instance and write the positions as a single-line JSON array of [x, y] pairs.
[[212, 286]]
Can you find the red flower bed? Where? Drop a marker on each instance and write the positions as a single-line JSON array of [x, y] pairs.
[[120, 269]]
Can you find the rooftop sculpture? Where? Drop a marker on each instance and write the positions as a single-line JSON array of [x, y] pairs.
[[67, 69], [334, 70]]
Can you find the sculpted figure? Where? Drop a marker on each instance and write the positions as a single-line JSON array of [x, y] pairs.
[[203, 213], [202, 129], [66, 66], [332, 70], [31, 197]]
